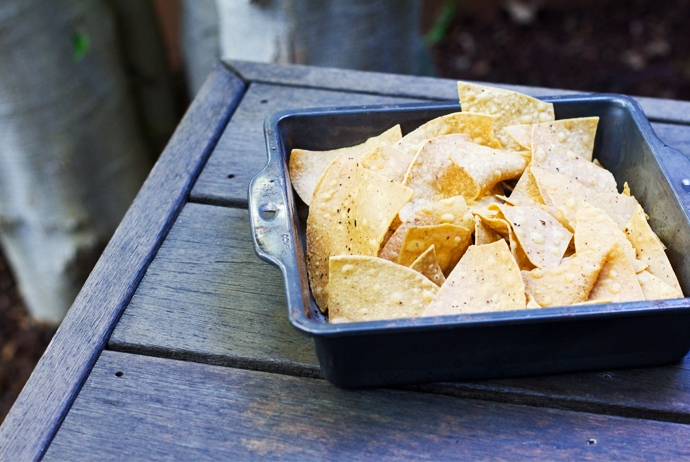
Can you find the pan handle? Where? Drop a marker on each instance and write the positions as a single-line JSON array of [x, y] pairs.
[[677, 166], [268, 215]]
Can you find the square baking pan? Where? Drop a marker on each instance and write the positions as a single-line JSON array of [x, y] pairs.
[[484, 345]]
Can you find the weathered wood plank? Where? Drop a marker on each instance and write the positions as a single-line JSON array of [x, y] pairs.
[[657, 109], [241, 151], [207, 298], [59, 375], [137, 407]]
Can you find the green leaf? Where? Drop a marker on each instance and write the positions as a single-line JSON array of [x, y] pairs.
[[443, 21], [80, 46]]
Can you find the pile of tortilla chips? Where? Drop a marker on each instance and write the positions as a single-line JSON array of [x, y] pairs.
[[499, 207]]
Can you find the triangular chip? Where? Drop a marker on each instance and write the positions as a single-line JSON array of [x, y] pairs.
[[526, 191], [617, 281], [522, 134], [450, 242], [656, 289], [572, 136], [552, 155], [486, 279], [483, 233], [542, 237], [350, 214], [565, 194], [570, 282], [388, 161], [485, 167], [368, 288], [594, 228], [649, 249], [509, 108], [477, 128], [306, 167], [453, 210], [427, 265]]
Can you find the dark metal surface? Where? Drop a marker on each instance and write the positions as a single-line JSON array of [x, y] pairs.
[[475, 346]]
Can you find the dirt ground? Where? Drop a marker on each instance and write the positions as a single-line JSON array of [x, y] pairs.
[[635, 47]]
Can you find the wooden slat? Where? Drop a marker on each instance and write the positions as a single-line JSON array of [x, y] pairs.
[[59, 375], [241, 151], [207, 298], [418, 87], [137, 407]]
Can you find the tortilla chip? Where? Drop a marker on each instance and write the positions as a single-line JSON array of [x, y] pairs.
[[531, 302], [477, 128], [626, 189], [450, 242], [486, 279], [306, 167], [509, 108], [570, 282], [483, 233], [388, 161], [656, 289], [351, 212], [649, 249], [575, 137], [453, 210], [617, 281], [565, 194], [526, 191], [550, 154], [427, 264], [522, 134], [542, 237], [365, 288], [594, 228], [485, 167]]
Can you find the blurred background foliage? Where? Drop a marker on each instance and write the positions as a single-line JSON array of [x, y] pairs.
[[91, 90]]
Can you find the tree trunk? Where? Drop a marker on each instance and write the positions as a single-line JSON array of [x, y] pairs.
[[71, 156]]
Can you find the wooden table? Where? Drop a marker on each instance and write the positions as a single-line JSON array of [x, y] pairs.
[[179, 345]]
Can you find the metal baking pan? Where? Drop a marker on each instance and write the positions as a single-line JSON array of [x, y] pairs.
[[463, 347]]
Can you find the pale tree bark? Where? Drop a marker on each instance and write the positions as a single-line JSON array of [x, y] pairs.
[[71, 155], [375, 35]]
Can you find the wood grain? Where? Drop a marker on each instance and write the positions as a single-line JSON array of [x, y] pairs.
[[207, 298], [59, 375], [241, 151], [136, 407], [661, 110]]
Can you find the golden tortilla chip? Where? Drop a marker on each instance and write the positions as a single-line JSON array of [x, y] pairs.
[[574, 137], [543, 239], [594, 228], [450, 242], [483, 233], [427, 264], [550, 154], [485, 167], [486, 279], [531, 302], [306, 167], [656, 289], [509, 108], [477, 128], [522, 134], [570, 282], [387, 161], [365, 288], [565, 194], [649, 249], [526, 191], [617, 281], [351, 212], [453, 210]]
